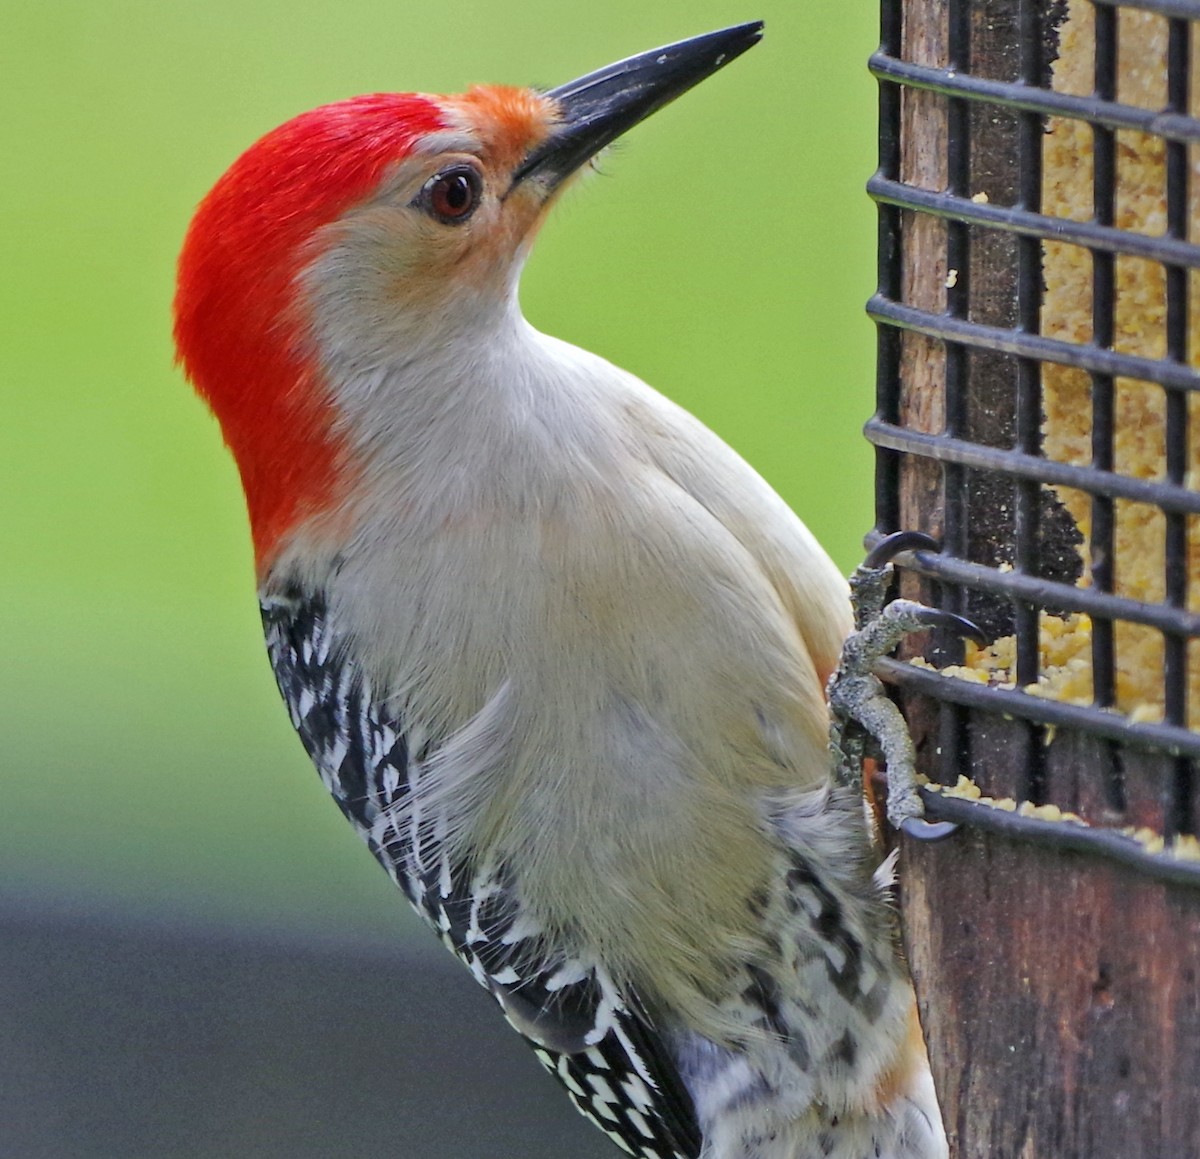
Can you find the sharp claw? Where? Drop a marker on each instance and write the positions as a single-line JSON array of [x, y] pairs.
[[960, 625], [921, 830], [855, 693], [972, 631], [893, 545]]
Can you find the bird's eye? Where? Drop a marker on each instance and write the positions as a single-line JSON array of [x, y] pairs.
[[453, 195]]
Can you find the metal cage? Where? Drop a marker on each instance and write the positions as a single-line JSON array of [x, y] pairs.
[[1038, 319]]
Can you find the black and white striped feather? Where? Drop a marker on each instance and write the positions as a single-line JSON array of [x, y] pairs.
[[599, 1043]]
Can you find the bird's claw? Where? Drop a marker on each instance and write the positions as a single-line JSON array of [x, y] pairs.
[[921, 830], [857, 696], [896, 544], [959, 625]]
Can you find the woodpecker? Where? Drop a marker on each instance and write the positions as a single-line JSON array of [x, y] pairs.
[[556, 651]]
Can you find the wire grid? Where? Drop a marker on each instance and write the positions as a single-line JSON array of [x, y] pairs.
[[962, 459]]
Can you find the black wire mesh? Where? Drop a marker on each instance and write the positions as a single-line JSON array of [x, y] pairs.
[[961, 422]]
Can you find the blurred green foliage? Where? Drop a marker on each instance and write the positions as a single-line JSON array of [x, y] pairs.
[[724, 256]]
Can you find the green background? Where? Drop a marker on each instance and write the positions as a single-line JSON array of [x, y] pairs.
[[724, 255]]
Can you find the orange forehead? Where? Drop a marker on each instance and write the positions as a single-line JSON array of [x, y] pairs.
[[508, 121]]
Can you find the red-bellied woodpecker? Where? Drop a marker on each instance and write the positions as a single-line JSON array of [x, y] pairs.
[[557, 652]]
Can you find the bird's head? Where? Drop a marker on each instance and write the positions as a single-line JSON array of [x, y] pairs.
[[356, 234]]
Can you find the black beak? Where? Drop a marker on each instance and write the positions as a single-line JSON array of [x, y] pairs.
[[596, 109]]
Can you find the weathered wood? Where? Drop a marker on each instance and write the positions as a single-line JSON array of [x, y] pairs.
[[921, 403], [923, 260], [1061, 999]]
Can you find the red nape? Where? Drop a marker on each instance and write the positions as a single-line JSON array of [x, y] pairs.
[[238, 330]]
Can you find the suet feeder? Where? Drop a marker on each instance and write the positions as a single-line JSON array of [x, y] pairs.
[[1038, 322]]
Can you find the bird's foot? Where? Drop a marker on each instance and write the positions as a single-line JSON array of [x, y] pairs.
[[859, 704]]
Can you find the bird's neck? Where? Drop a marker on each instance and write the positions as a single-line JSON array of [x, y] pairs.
[[468, 417], [435, 394]]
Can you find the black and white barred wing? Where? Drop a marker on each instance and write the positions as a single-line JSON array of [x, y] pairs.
[[595, 1041], [598, 1045]]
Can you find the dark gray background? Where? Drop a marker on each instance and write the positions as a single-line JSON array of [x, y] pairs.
[[139, 1040]]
